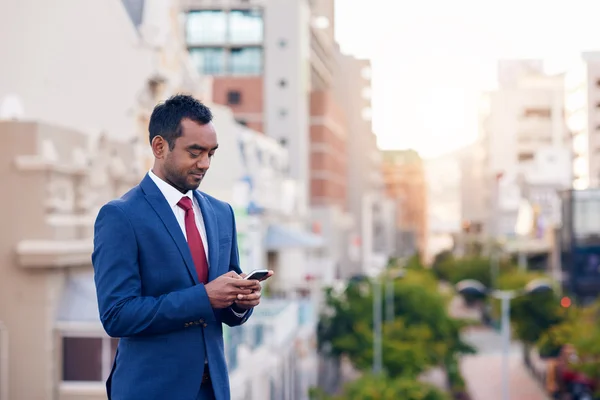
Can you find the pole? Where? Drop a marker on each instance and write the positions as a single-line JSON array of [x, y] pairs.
[[389, 297], [377, 303], [494, 269], [505, 298], [522, 261]]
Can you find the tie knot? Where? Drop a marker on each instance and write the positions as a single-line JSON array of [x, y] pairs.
[[185, 203]]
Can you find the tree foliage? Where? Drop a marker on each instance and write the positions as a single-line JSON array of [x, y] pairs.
[[580, 328], [531, 314], [371, 387], [421, 335]]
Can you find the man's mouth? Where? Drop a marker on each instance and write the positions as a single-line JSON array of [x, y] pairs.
[[198, 175]]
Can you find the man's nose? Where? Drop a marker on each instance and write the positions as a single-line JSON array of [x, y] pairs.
[[203, 162]]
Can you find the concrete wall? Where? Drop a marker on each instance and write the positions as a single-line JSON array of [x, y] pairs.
[[48, 234], [68, 69]]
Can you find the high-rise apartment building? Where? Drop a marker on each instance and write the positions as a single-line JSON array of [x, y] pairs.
[[582, 112], [371, 237], [523, 144], [266, 57], [273, 62]]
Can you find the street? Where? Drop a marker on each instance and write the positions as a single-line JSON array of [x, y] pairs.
[[482, 371]]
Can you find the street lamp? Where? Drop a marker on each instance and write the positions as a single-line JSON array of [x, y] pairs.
[[378, 317], [474, 287]]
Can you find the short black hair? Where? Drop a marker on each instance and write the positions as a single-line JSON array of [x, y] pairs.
[[166, 117]]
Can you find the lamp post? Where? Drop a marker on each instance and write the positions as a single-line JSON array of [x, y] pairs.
[[377, 339], [378, 315], [474, 287]]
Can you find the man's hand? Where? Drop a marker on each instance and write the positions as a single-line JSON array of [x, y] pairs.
[[224, 290], [247, 301]]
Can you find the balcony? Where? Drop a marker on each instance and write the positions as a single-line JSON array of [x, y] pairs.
[[273, 327]]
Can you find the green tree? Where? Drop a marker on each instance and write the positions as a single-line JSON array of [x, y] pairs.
[[531, 314], [371, 387], [421, 335]]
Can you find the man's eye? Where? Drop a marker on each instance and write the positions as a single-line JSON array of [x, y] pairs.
[[194, 155]]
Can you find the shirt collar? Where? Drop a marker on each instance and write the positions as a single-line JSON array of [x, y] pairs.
[[171, 194]]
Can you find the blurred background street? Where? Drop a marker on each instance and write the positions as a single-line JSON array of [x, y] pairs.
[[422, 178]]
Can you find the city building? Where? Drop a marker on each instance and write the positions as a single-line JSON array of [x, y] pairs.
[[158, 25], [60, 351], [78, 157], [258, 54], [524, 125], [443, 179], [512, 173], [370, 240], [405, 183], [474, 196], [272, 62], [107, 69], [274, 355], [582, 111]]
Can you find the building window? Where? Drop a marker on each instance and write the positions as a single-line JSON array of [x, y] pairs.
[[234, 97], [246, 61], [282, 83], [283, 113], [525, 157], [282, 43], [206, 27], [241, 122], [87, 359], [367, 113], [208, 61], [366, 73], [366, 93], [537, 112], [245, 26]]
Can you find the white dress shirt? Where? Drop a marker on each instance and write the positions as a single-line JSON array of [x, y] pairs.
[[173, 196]]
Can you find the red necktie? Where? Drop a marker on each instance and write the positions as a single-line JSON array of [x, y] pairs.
[[194, 240]]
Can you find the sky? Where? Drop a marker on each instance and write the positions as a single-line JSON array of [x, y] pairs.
[[432, 58]]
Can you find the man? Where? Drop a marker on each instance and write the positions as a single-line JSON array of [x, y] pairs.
[[167, 268]]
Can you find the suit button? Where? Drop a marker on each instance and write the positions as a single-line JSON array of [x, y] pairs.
[[186, 325], [205, 325], [201, 321]]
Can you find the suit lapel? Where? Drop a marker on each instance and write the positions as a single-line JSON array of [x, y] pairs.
[[161, 207], [212, 234]]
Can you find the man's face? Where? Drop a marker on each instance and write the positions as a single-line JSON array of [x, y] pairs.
[[185, 166]]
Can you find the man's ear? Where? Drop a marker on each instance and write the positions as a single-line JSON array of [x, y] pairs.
[[160, 147]]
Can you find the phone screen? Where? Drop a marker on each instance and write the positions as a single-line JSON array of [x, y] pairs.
[[258, 275]]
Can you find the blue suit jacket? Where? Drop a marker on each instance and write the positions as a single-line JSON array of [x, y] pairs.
[[149, 296]]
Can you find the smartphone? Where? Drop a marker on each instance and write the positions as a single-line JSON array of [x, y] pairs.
[[258, 274]]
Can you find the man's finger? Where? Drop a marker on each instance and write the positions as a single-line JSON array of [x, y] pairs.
[[243, 291], [246, 284], [248, 297], [233, 274]]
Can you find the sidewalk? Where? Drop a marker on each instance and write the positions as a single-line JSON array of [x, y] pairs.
[[483, 371], [483, 377]]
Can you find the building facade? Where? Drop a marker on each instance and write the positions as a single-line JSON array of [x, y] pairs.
[[405, 182], [524, 124], [582, 111], [60, 351]]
